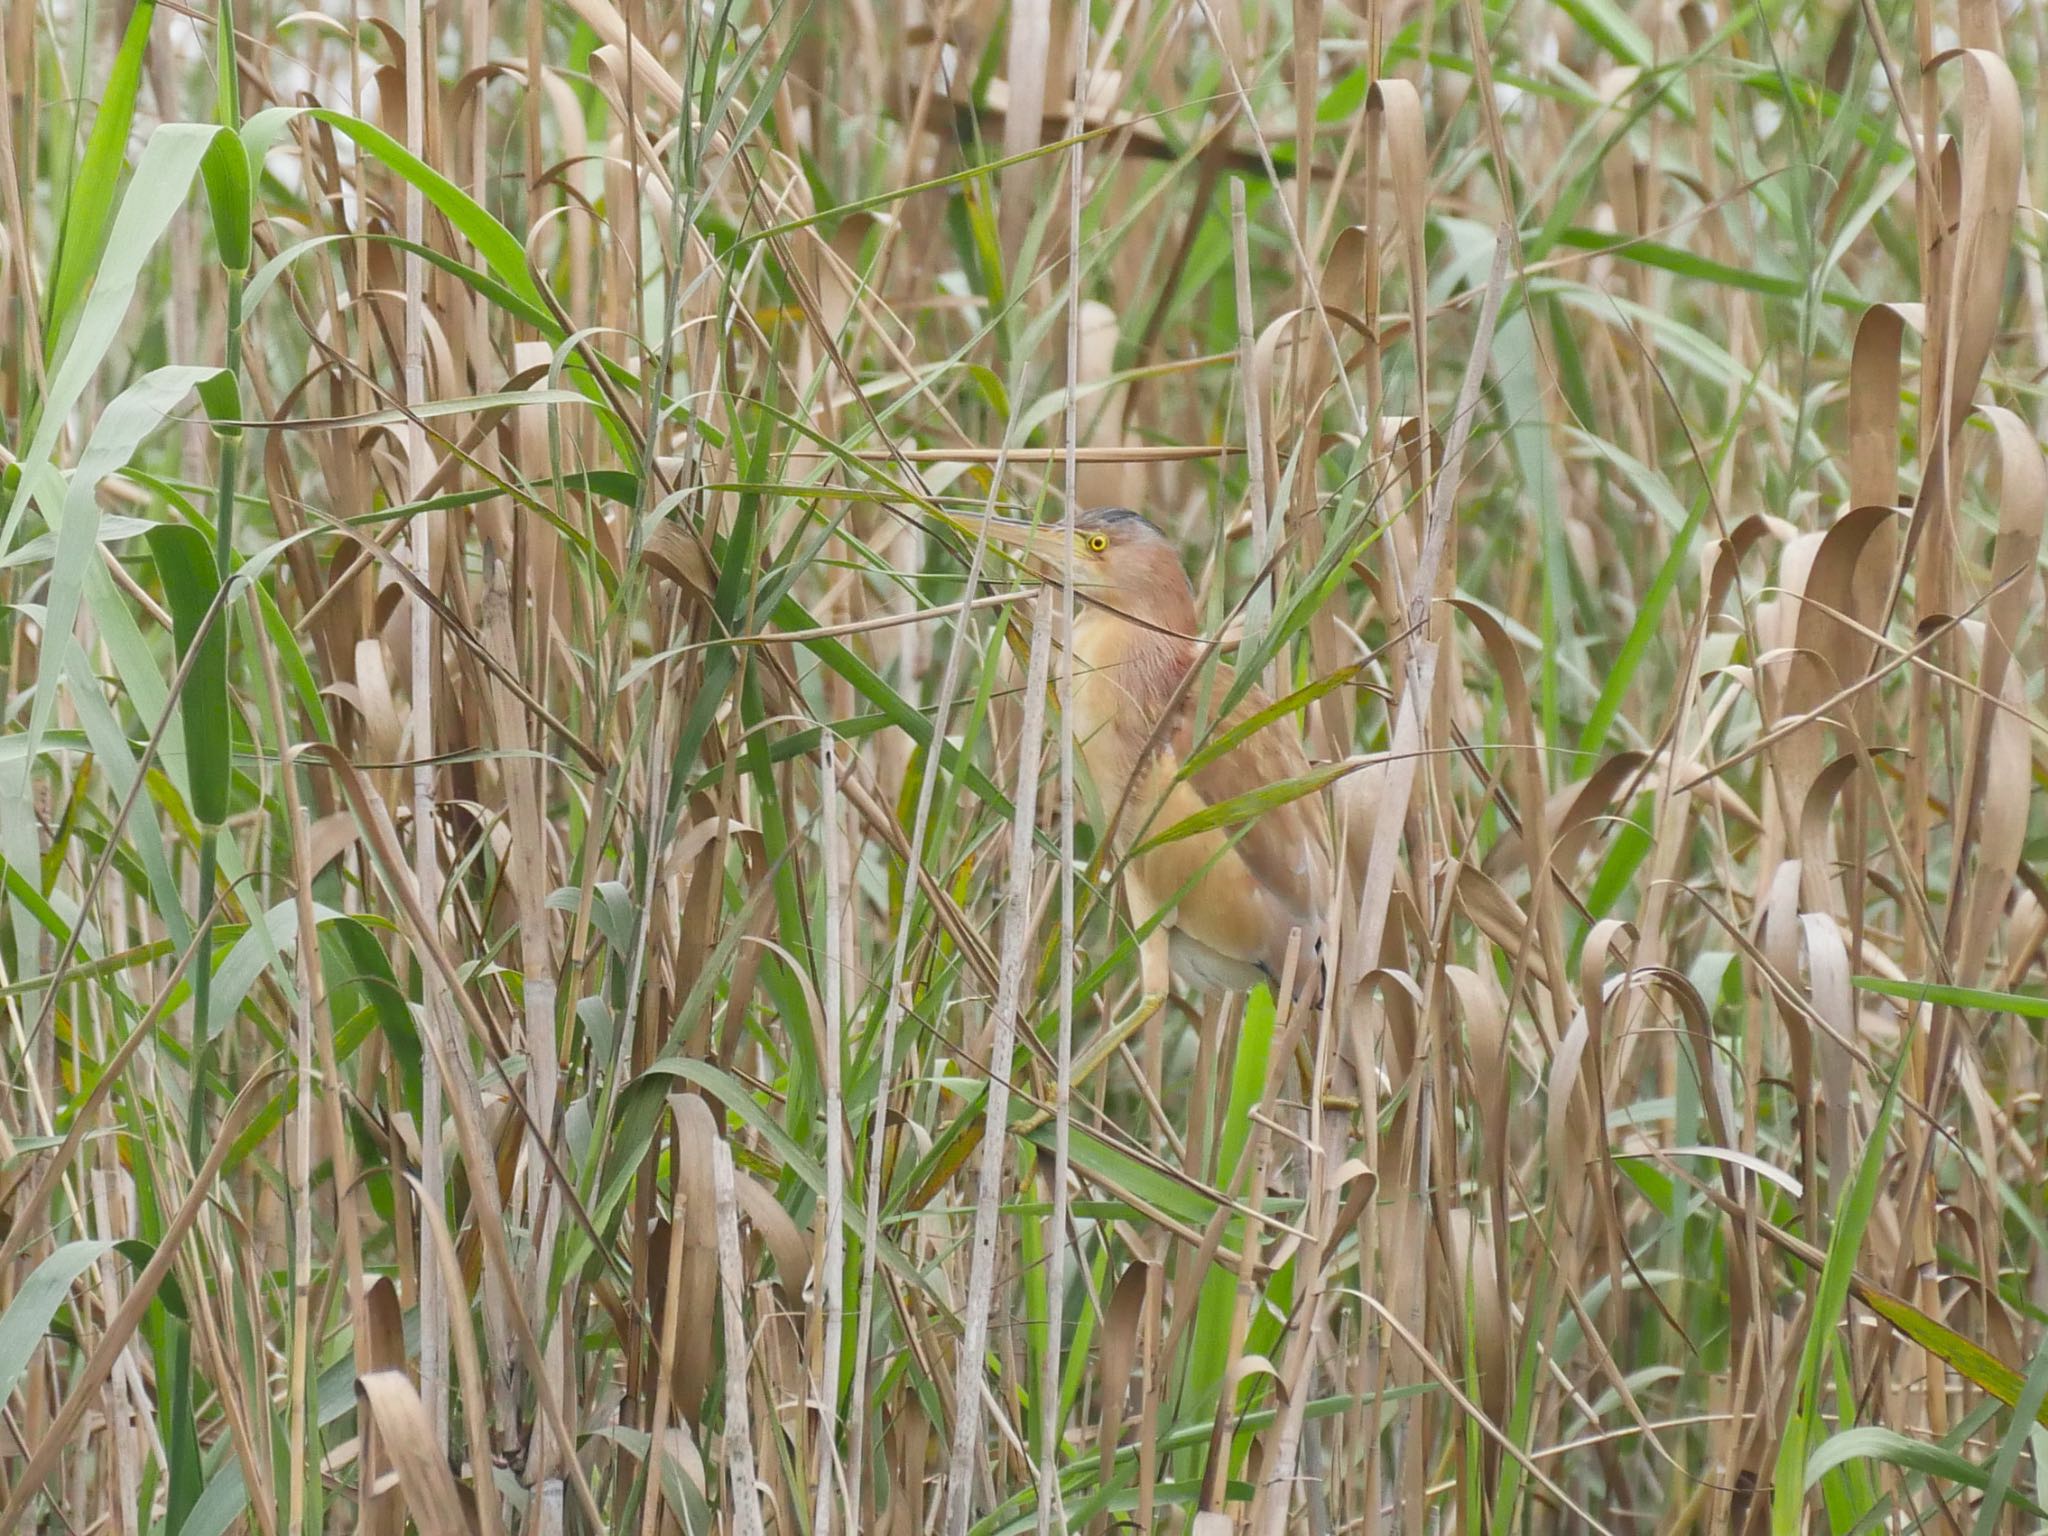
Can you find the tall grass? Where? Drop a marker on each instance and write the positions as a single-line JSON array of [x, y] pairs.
[[549, 906]]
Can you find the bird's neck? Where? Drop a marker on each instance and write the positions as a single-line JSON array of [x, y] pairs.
[[1126, 671]]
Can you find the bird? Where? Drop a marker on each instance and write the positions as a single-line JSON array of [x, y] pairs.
[[1229, 899]]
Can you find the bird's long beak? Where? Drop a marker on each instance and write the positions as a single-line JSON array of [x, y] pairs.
[[1041, 545]]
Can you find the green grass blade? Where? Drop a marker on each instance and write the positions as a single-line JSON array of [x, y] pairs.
[[1788, 1488], [28, 1315], [184, 563], [84, 233], [2024, 1004]]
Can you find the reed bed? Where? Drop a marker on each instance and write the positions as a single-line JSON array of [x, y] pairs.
[[549, 906]]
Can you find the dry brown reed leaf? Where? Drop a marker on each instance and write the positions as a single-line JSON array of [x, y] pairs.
[[479, 1497], [739, 1454], [693, 1239], [1121, 1324], [393, 1405]]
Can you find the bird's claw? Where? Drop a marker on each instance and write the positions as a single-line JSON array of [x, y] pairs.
[[1310, 985]]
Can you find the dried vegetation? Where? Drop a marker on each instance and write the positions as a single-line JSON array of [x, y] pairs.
[[530, 853]]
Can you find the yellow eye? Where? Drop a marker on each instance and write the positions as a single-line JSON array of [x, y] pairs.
[[1098, 542]]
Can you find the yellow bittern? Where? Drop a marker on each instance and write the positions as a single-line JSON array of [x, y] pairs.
[[1229, 898]]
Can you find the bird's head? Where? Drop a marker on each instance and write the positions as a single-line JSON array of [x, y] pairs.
[[1121, 563]]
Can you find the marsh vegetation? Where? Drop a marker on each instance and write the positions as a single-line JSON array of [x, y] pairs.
[[550, 905]]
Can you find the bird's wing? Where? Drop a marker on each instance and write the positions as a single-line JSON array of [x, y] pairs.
[[1286, 847]]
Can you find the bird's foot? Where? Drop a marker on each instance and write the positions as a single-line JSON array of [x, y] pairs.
[[1313, 988], [1102, 1047]]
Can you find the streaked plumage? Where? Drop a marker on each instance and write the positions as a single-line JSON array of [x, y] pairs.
[[1135, 644]]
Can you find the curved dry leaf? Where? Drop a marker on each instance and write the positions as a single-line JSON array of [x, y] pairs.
[[1875, 369], [1246, 1368], [1992, 139], [1527, 774], [480, 1509], [2005, 780], [1839, 592], [1485, 1012], [1401, 1002], [1604, 942], [1394, 126], [318, 21], [1344, 271], [695, 1220], [333, 835], [384, 729], [384, 1346], [1355, 1177], [699, 836], [1722, 559], [1787, 936], [1833, 998], [1732, 1157], [2020, 474], [1269, 382], [1118, 1356], [1476, 1308], [1568, 1128], [787, 1246], [406, 1437], [1496, 914], [1487, 1054], [1992, 818], [1574, 813], [603, 19], [626, 169], [1816, 817], [1778, 936], [672, 553]]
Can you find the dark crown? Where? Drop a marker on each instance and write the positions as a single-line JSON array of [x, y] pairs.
[[1115, 517]]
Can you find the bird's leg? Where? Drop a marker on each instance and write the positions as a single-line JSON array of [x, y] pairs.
[[1155, 969]]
